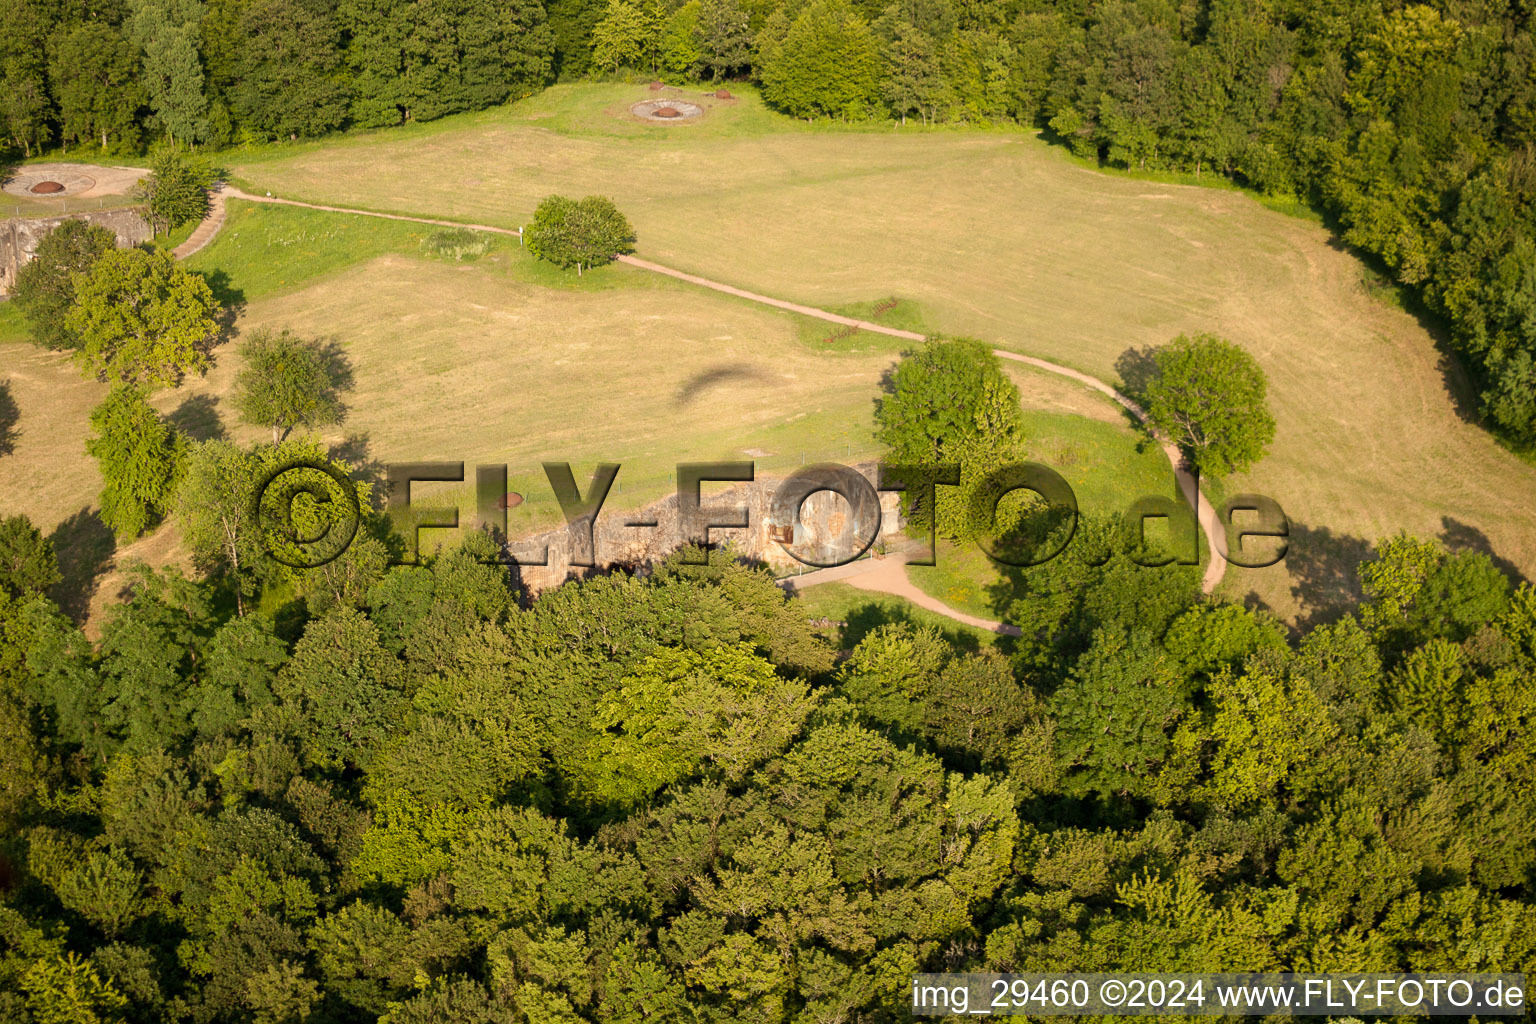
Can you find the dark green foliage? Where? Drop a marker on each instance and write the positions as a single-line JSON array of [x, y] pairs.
[[95, 77], [140, 458], [1207, 396], [1417, 591], [287, 69], [150, 649], [45, 287], [346, 686], [420, 61], [27, 562], [1116, 712], [661, 798], [1406, 125], [167, 33], [911, 682], [579, 232], [571, 23]]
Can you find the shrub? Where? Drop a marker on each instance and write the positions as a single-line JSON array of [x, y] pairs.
[[456, 244], [579, 233]]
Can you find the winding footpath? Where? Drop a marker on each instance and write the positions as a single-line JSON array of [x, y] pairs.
[[883, 575]]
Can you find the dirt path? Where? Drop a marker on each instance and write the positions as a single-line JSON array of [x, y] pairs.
[[207, 228], [793, 307], [235, 193], [886, 575]]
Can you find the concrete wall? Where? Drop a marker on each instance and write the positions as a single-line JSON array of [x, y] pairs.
[[19, 238], [825, 529]]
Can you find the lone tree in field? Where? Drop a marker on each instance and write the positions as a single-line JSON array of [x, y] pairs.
[[1208, 397], [143, 319], [45, 287], [140, 457], [288, 382], [951, 403], [579, 233], [176, 190], [942, 395]]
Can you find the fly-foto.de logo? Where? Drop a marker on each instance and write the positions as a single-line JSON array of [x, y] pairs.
[[309, 512]]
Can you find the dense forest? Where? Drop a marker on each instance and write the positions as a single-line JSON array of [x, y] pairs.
[[1410, 126], [672, 797]]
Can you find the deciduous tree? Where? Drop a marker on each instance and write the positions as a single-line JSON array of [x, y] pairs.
[[623, 37], [579, 233], [27, 562], [142, 319], [725, 37], [827, 66], [140, 457], [1208, 396], [45, 287], [287, 382], [288, 78], [95, 73]]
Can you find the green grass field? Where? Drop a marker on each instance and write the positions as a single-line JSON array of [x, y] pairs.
[[1000, 236], [1109, 467]]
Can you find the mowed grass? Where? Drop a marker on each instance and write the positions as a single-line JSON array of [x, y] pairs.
[[468, 362], [997, 235], [498, 360]]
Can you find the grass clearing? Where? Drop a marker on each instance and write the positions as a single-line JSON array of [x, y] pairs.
[[902, 314], [495, 360], [1108, 466], [997, 235], [266, 250], [13, 326]]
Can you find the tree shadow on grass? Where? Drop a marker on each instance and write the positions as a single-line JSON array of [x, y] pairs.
[[733, 373], [338, 367], [10, 414], [231, 303], [1137, 368], [1324, 572], [198, 418], [84, 547], [1458, 536], [355, 451]]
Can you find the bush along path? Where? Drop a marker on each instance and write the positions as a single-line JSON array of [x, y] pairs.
[[884, 575]]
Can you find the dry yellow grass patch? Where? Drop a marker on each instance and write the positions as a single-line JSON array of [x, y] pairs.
[[463, 362], [1002, 237]]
